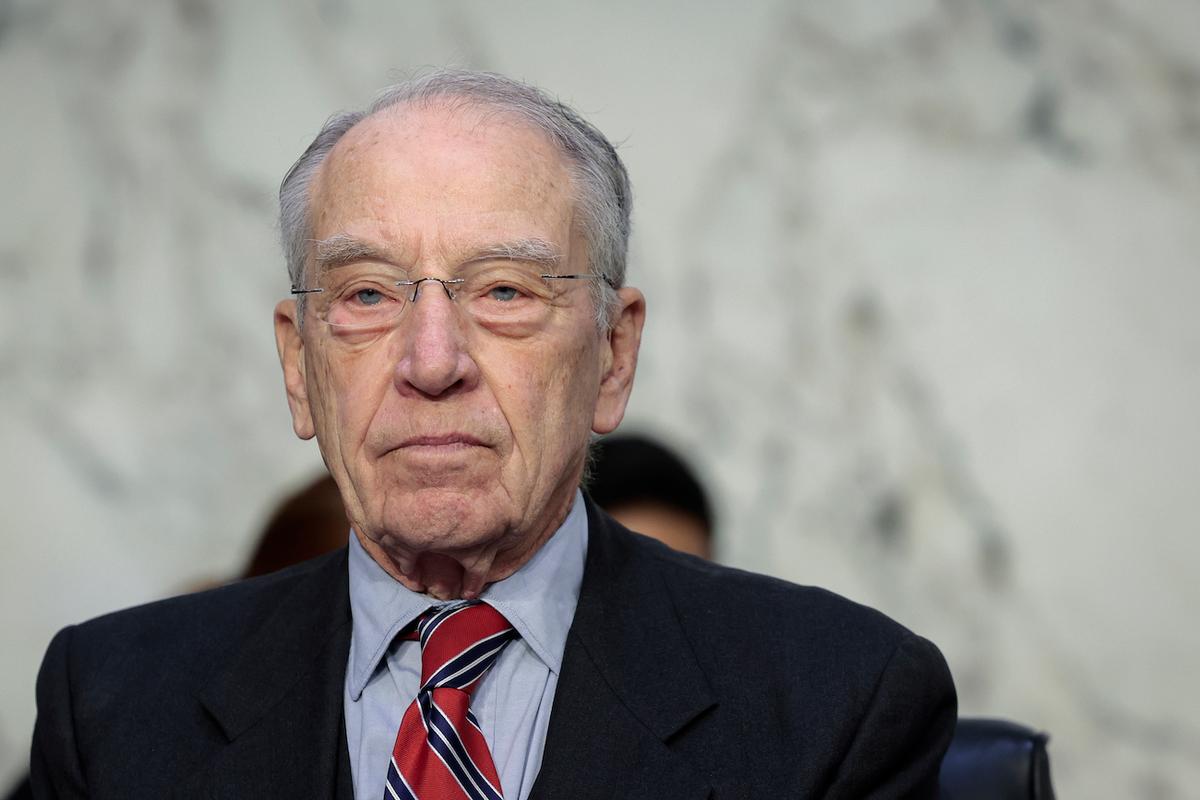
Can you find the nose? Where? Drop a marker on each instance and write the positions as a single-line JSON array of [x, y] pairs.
[[434, 359]]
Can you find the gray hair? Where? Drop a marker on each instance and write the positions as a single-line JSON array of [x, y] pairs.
[[602, 192]]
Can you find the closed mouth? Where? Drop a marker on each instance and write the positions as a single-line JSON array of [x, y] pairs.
[[442, 440]]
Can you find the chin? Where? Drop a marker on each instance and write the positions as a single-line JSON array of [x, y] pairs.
[[440, 520]]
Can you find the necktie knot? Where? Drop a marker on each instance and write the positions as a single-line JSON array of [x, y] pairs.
[[460, 643], [440, 751]]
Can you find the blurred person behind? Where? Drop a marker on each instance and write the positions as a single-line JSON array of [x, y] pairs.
[[307, 523], [650, 489]]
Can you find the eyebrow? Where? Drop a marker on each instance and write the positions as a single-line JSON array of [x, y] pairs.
[[341, 249], [534, 251]]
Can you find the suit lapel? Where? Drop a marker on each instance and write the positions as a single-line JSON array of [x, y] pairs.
[[279, 703], [629, 683]]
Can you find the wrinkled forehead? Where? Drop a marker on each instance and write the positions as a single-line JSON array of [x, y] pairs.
[[436, 171]]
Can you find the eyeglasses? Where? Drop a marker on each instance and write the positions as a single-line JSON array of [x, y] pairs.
[[372, 297]]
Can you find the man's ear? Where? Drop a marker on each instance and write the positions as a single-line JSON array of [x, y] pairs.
[[290, 344], [619, 360]]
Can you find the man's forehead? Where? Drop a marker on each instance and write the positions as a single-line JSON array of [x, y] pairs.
[[436, 135], [409, 186], [429, 155]]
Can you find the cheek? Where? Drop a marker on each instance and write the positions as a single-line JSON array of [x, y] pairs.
[[536, 390], [351, 386], [318, 380], [569, 395], [523, 396]]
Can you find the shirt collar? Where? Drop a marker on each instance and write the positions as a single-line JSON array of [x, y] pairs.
[[538, 599]]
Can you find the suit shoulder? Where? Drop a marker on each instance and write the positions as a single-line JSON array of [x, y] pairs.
[[801, 642], [775, 618], [187, 631]]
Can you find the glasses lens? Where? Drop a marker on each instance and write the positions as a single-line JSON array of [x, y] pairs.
[[506, 294], [360, 298]]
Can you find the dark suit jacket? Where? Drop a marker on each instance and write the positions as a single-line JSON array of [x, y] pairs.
[[680, 679]]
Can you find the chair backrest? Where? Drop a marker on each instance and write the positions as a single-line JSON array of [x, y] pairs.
[[993, 759]]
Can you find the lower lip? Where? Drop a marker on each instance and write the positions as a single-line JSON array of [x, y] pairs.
[[439, 446], [440, 449]]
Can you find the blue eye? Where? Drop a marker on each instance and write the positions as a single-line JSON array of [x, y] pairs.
[[503, 293], [368, 297]]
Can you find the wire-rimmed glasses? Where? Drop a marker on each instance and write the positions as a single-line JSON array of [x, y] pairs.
[[371, 297]]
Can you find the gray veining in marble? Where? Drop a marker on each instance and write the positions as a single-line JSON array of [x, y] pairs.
[[921, 277]]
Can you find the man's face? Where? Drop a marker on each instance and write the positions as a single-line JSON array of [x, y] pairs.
[[445, 436]]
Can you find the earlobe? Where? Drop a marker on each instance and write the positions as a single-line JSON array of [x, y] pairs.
[[620, 361], [290, 344]]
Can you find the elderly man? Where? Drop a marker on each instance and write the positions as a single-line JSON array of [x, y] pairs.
[[459, 330]]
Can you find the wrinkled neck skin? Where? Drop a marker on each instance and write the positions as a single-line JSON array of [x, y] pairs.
[[462, 574]]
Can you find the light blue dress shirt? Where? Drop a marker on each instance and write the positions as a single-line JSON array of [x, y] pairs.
[[512, 702]]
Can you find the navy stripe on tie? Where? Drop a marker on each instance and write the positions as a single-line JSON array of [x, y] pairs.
[[397, 788], [429, 624], [444, 740], [468, 666]]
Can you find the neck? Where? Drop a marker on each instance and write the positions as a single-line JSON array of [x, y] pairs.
[[454, 575]]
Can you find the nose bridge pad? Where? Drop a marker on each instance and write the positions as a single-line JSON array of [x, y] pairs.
[[452, 316], [444, 282]]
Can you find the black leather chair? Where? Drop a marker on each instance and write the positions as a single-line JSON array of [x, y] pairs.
[[993, 759], [22, 791]]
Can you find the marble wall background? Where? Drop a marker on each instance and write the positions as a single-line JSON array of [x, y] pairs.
[[922, 279]]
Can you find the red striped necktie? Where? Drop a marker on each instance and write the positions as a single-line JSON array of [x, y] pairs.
[[440, 752]]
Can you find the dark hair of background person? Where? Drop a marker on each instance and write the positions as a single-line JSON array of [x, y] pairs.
[[651, 490], [308, 523]]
